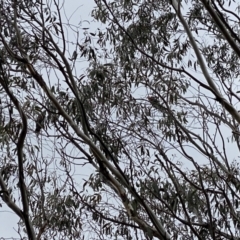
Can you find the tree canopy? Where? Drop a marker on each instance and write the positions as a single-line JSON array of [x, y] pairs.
[[126, 131]]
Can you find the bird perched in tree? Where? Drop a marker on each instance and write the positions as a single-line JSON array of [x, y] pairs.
[[40, 122], [156, 104]]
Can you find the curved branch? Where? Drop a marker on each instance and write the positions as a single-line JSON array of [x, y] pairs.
[[20, 145]]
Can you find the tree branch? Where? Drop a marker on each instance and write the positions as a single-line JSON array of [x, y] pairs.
[[200, 59]]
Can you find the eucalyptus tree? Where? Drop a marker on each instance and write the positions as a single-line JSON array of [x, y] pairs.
[[141, 144]]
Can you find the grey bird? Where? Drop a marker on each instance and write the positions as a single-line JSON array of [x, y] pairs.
[[40, 122], [156, 104]]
